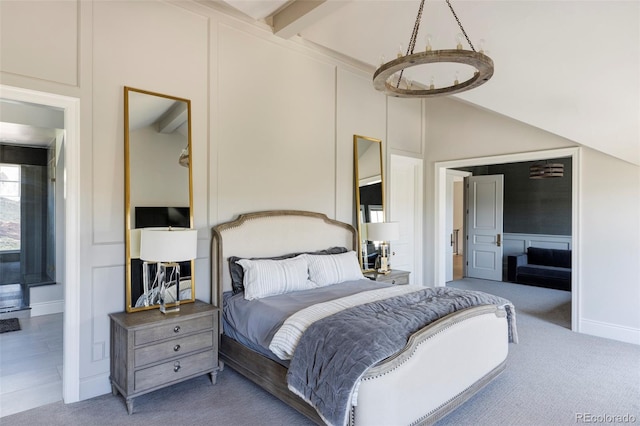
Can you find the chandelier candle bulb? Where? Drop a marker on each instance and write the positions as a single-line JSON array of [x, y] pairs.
[[459, 39], [400, 51], [481, 43], [429, 48]]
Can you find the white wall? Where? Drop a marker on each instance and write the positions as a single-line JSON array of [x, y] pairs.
[[272, 125], [609, 205], [610, 246]]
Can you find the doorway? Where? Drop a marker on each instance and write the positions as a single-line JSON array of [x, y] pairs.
[[70, 236], [443, 238], [31, 213], [456, 206]]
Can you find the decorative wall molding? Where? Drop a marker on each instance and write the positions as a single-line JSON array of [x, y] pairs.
[[47, 308], [518, 243]]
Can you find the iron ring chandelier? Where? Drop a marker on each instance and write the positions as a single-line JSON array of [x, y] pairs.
[[384, 80]]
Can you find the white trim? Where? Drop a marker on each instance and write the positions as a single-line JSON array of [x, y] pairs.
[[71, 335], [47, 308], [610, 331], [439, 272]]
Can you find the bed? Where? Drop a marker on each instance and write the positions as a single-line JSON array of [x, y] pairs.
[[439, 366]]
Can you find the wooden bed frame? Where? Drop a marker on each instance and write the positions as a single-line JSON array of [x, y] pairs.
[[442, 365]]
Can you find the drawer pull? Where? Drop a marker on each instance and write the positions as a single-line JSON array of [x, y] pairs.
[[176, 329], [176, 348], [176, 366]]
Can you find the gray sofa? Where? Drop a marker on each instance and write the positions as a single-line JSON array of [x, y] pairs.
[[541, 267]]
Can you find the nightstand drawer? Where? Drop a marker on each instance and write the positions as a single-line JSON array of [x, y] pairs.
[[167, 331], [174, 347], [158, 375], [399, 280]]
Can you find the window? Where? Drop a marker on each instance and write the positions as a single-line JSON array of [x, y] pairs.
[[9, 207]]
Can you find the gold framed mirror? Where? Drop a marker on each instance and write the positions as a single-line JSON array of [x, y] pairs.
[[369, 194], [158, 184]]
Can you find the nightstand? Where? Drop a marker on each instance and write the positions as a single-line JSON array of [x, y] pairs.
[[396, 276], [151, 350]]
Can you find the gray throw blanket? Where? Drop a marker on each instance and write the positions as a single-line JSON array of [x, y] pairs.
[[334, 352]]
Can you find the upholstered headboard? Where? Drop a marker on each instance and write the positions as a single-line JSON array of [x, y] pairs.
[[272, 233]]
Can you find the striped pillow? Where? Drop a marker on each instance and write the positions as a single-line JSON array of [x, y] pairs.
[[263, 278], [334, 268]]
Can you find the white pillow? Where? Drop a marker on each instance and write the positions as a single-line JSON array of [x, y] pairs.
[[331, 269], [267, 277]]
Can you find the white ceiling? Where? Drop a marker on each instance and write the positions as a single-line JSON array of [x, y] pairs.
[[22, 123], [569, 67]]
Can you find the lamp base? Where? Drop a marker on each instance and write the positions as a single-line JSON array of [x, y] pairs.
[[170, 309], [170, 272], [384, 266]]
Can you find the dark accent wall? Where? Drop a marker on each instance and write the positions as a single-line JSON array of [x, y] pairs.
[[533, 206], [23, 155]]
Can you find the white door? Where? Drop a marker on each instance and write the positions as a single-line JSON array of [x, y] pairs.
[[484, 227], [405, 207]]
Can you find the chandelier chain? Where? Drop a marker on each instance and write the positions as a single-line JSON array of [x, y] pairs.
[[460, 25], [414, 37], [416, 28]]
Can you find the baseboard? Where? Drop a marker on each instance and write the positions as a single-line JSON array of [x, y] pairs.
[[47, 308], [94, 386], [610, 331]]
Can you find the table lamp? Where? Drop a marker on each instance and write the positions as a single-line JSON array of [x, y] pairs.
[[383, 232], [166, 247]]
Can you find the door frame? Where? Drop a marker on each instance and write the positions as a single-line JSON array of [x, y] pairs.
[[440, 182], [71, 315], [457, 174]]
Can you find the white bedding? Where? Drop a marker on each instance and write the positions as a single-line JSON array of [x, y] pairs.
[[286, 339]]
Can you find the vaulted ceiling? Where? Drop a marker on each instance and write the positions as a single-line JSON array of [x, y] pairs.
[[571, 68]]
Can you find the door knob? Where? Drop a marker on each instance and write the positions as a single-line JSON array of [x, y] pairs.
[[499, 240]]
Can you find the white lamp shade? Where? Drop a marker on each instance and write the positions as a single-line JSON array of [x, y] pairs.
[[168, 244], [383, 231]]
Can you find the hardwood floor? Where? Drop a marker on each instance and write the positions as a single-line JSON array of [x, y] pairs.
[[457, 267], [31, 364]]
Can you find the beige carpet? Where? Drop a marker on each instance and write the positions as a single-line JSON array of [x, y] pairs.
[[553, 376]]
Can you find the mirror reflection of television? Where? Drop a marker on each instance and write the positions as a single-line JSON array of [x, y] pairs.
[[147, 217]]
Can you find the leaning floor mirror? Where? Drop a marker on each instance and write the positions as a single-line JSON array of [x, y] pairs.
[[158, 192], [369, 194]]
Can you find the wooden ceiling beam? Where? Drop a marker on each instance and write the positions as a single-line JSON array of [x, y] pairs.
[[300, 14]]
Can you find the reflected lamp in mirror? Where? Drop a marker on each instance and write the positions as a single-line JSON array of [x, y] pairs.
[[161, 249], [383, 232], [369, 193]]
